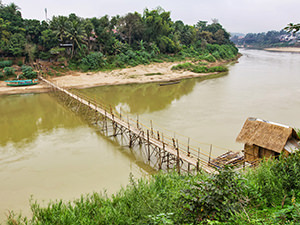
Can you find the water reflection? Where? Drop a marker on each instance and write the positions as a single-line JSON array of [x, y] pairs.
[[144, 98], [49, 152], [24, 117]]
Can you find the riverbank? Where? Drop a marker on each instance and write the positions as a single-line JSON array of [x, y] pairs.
[[155, 72], [284, 49]]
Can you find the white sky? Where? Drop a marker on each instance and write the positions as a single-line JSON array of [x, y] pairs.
[[245, 16]]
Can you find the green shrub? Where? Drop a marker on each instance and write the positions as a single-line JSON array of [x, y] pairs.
[[9, 71], [28, 72], [200, 69], [93, 61], [275, 179], [217, 69], [215, 198], [21, 77], [84, 68], [1, 75], [183, 66], [45, 55], [209, 58], [202, 63], [216, 55], [6, 63], [20, 63]]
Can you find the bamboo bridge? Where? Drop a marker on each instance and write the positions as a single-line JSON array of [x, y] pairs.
[[162, 151]]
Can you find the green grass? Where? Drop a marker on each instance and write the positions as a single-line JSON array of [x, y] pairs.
[[152, 74], [199, 68]]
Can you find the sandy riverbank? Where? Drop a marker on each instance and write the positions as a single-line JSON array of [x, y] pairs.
[[284, 49], [156, 72]]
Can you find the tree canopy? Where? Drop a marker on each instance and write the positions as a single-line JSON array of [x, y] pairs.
[[119, 39]]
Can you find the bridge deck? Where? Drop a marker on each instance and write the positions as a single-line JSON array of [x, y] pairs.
[[138, 132]]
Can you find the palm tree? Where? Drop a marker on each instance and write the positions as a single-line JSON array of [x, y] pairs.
[[59, 26], [75, 32]]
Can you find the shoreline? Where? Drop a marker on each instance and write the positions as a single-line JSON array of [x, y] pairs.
[[155, 72], [284, 49]]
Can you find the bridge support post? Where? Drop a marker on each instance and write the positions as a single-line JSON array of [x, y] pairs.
[[168, 161], [159, 159], [148, 143]]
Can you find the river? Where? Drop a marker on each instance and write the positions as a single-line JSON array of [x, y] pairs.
[[51, 153]]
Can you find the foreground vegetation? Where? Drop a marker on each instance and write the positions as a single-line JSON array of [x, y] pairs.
[[106, 43], [269, 194]]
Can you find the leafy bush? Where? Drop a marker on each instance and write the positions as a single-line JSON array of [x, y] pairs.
[[28, 72], [9, 71], [1, 75], [45, 55], [200, 69], [202, 63], [167, 45], [20, 63], [93, 61], [183, 66], [217, 197], [6, 63], [209, 58], [275, 179], [217, 69]]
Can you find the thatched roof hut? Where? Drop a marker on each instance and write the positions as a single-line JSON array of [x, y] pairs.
[[264, 138]]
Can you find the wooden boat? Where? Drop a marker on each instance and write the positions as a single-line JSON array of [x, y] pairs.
[[16, 83], [169, 83]]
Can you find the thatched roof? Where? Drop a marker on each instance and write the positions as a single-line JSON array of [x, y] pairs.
[[266, 134]]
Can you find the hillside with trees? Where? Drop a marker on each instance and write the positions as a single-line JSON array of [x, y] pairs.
[[281, 38], [108, 42]]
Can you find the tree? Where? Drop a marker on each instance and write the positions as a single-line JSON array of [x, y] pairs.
[[292, 27], [131, 27], [48, 39], [33, 30], [207, 36], [220, 37], [89, 31], [59, 26], [201, 25], [5, 35], [106, 36], [75, 32], [17, 44], [30, 51], [157, 23], [188, 35], [12, 14]]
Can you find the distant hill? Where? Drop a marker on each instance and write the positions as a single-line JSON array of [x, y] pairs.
[[268, 39], [237, 34]]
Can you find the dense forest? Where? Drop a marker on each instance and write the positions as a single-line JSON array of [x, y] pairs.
[[281, 38], [109, 42]]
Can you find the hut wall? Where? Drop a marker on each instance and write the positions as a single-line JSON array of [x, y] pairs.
[[253, 152], [265, 153]]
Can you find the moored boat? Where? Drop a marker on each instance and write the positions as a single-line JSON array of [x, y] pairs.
[[16, 83], [169, 83]]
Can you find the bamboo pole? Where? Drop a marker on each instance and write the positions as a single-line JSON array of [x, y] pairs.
[[148, 141]]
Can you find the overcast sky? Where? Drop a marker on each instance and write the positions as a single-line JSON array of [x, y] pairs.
[[245, 16]]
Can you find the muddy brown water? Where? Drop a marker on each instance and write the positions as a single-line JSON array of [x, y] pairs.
[[51, 153]]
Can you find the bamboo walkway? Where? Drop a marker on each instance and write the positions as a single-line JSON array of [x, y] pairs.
[[167, 154]]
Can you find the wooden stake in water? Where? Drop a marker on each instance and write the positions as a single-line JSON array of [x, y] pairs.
[[210, 153]]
